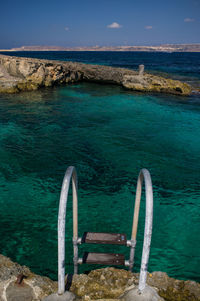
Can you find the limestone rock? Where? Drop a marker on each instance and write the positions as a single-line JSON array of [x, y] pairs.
[[102, 284], [15, 292], [174, 290], [25, 74], [25, 68], [152, 83], [8, 83], [33, 287], [105, 283]]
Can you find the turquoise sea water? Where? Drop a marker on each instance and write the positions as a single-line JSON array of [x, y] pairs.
[[109, 134]]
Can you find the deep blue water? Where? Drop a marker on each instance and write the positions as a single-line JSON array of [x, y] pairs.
[[109, 134]]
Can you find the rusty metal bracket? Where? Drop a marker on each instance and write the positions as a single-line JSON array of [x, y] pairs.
[[20, 278]]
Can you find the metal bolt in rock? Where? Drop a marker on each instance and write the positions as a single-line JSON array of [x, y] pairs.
[[20, 278]]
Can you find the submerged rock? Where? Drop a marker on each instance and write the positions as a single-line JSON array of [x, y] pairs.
[[26, 74]]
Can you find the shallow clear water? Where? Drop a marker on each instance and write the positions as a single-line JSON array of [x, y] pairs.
[[109, 134]]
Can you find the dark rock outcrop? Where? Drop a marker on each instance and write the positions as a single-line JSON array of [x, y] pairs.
[[26, 74]]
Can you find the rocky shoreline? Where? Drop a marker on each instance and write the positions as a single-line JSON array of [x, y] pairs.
[[18, 283], [27, 74]]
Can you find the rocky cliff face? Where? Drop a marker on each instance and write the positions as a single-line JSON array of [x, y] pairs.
[[26, 74], [18, 283]]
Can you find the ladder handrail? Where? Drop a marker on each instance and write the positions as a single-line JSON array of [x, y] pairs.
[[144, 174], [70, 173]]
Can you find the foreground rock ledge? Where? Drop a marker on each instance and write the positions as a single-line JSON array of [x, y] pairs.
[[27, 74], [103, 284]]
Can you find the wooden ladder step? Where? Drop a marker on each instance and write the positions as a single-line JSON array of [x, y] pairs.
[[103, 258], [104, 238]]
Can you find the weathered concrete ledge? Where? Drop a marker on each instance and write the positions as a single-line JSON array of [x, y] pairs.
[[27, 74], [18, 283]]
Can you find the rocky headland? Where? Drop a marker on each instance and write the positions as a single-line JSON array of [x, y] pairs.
[[18, 283], [27, 74]]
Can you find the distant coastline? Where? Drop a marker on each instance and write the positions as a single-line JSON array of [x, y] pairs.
[[160, 48]]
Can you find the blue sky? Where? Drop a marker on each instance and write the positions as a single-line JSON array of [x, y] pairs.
[[98, 22]]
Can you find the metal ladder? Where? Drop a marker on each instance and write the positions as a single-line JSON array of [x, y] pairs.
[[104, 238]]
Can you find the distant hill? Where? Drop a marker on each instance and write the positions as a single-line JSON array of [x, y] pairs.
[[160, 48]]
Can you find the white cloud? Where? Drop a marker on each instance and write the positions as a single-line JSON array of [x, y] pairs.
[[148, 27], [188, 20], [114, 25], [67, 28]]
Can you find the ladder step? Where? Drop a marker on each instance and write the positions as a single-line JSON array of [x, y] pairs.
[[104, 238], [103, 258]]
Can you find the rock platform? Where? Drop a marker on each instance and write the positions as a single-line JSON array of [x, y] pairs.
[[18, 283], [27, 74]]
